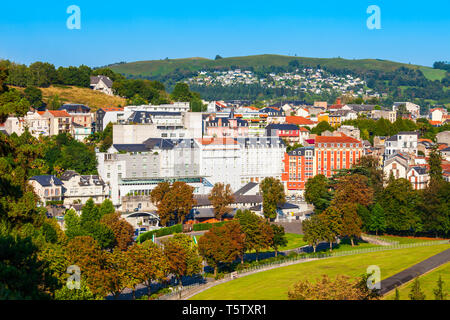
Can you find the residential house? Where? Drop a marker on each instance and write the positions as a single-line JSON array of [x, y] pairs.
[[60, 122], [78, 189], [103, 84], [403, 142], [48, 188]]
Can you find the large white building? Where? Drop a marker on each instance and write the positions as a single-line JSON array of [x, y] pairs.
[[135, 169], [403, 142], [79, 189]]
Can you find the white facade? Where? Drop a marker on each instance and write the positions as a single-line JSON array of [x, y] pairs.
[[79, 189], [36, 124], [403, 142]]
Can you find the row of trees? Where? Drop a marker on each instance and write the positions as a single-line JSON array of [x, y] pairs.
[[378, 204], [247, 232]]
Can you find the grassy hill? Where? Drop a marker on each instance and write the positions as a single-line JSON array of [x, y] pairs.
[[86, 96], [158, 68]]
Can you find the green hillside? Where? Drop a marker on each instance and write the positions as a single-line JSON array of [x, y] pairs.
[[158, 68]]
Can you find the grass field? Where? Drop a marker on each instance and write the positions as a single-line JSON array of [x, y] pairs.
[[428, 282], [294, 241], [433, 74], [274, 284], [86, 96]]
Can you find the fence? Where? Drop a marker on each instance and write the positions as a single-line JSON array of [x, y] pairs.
[[393, 242], [296, 259]]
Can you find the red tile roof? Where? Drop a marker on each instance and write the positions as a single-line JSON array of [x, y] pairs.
[[435, 123], [299, 120], [341, 139], [59, 113]]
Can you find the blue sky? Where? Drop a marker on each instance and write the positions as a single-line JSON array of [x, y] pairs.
[[412, 31]]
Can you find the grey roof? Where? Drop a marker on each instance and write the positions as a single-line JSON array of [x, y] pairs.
[[46, 181], [96, 79], [147, 116], [3, 131], [446, 149], [131, 147], [281, 126], [226, 122], [167, 144], [249, 186], [203, 201], [285, 206], [75, 108], [271, 111], [300, 151], [207, 213], [68, 175], [259, 141], [361, 107], [420, 170]]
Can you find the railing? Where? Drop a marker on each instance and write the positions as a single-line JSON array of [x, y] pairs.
[[392, 242]]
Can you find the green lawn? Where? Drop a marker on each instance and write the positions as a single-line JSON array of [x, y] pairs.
[[403, 240], [428, 282], [433, 74], [274, 284]]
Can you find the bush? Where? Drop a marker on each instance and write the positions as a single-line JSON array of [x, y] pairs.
[[207, 226], [178, 228]]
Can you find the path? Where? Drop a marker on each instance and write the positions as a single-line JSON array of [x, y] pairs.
[[403, 277]]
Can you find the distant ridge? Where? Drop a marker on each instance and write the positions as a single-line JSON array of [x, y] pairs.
[[164, 67]]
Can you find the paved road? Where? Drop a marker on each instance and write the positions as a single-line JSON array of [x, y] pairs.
[[400, 278]]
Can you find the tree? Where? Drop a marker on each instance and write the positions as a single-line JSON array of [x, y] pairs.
[[321, 127], [317, 192], [147, 264], [435, 160], [313, 230], [353, 189], [258, 233], [181, 92], [182, 256], [173, 202], [400, 204], [397, 294], [85, 252], [342, 288], [332, 223], [221, 197], [123, 231], [416, 293], [279, 237], [439, 292], [73, 224], [352, 223], [34, 96], [117, 273], [273, 195], [106, 207], [222, 244], [377, 219], [89, 213], [218, 57]]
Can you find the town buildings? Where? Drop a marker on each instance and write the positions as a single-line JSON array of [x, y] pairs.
[[403, 142], [80, 188], [48, 188], [103, 84]]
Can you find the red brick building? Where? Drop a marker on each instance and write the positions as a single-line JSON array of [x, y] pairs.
[[334, 153], [327, 154]]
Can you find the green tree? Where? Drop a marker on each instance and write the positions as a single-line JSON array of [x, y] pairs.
[[322, 127], [273, 195], [317, 192], [377, 219], [439, 292], [332, 224], [313, 230], [416, 292], [279, 238], [34, 96]]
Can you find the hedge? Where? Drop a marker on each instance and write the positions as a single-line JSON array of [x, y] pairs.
[[178, 228]]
